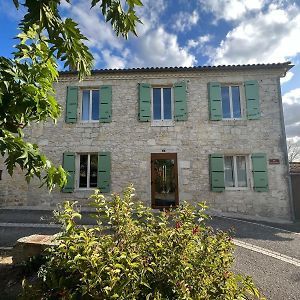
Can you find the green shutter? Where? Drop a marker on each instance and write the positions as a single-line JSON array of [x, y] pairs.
[[144, 102], [104, 167], [69, 166], [216, 164], [252, 99], [214, 101], [105, 104], [180, 102], [260, 173], [71, 104]]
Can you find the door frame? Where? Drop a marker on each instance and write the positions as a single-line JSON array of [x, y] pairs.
[[164, 156]]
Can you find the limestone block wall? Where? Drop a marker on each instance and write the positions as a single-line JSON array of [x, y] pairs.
[[131, 142]]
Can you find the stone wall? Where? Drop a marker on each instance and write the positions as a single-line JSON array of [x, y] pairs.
[[131, 143]]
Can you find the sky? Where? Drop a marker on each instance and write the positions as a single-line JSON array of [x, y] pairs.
[[191, 33]]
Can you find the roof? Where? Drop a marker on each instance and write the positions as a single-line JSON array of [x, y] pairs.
[[281, 66]]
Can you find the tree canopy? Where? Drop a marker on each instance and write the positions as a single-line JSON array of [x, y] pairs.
[[26, 80]]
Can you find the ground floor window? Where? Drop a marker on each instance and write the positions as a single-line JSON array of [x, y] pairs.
[[88, 170], [235, 171]]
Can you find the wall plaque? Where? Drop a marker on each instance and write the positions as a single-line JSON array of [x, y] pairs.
[[274, 161]]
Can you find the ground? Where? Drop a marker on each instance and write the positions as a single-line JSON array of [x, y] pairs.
[[270, 253]]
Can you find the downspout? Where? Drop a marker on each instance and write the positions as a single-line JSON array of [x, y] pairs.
[[285, 152]]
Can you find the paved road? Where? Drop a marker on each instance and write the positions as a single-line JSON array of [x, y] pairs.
[[275, 239], [277, 279]]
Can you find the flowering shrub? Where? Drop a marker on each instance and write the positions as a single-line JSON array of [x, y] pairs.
[[134, 253]]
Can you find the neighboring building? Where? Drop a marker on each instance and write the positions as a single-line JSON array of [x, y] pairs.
[[295, 167], [199, 133]]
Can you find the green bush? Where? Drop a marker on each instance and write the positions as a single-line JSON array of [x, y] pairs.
[[134, 253]]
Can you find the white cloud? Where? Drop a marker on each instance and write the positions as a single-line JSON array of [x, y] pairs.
[[289, 75], [153, 47], [291, 108], [113, 61], [184, 21], [160, 48], [98, 32], [231, 9], [150, 15], [199, 42], [272, 36], [292, 97]]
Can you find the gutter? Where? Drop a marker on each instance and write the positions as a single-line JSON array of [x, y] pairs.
[[284, 149]]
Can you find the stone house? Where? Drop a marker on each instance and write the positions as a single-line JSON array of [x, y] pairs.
[[195, 133]]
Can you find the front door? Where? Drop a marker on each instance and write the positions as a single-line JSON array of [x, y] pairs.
[[164, 180]]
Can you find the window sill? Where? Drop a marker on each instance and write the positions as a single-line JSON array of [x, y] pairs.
[[84, 189], [236, 188], [88, 124], [242, 122], [161, 123]]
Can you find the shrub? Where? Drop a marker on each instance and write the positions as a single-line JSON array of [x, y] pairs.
[[134, 253]]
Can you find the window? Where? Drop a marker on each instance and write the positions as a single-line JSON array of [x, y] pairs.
[[235, 171], [88, 170], [162, 106], [231, 102], [90, 105]]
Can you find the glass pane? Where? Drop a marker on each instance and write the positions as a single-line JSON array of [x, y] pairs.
[[229, 175], [85, 104], [235, 91], [167, 104], [165, 184], [93, 170], [157, 104], [225, 102], [95, 105], [83, 171], [241, 171]]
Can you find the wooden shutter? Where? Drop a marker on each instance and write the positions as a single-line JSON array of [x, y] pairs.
[[105, 104], [104, 167], [69, 166], [214, 101], [71, 104], [260, 173], [180, 102], [217, 181], [252, 99], [144, 102]]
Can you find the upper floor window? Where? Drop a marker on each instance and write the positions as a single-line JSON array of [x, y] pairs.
[[90, 105], [231, 102], [85, 104], [162, 104], [235, 168]]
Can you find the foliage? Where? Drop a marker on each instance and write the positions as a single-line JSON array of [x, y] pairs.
[[293, 149], [26, 79], [134, 253]]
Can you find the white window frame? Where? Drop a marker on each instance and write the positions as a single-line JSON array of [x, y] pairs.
[[88, 171], [236, 187], [162, 121], [91, 101], [241, 90]]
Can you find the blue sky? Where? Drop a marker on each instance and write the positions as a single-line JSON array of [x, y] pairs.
[[192, 32]]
